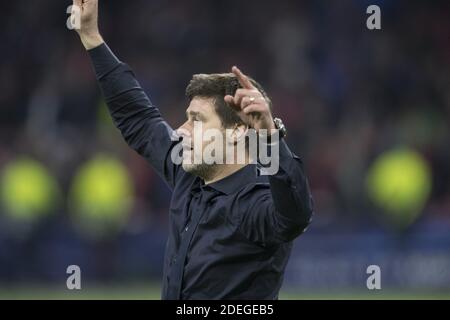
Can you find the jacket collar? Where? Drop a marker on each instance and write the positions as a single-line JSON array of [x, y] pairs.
[[237, 180]]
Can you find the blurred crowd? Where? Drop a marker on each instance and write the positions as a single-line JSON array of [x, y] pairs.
[[345, 93]]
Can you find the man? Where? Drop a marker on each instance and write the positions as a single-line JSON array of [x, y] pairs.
[[231, 229]]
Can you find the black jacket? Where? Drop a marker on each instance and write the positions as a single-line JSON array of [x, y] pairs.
[[227, 240]]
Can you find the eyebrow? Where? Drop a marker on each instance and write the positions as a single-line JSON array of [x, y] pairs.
[[193, 114]]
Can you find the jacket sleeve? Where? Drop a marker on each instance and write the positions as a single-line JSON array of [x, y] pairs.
[[286, 211], [138, 120]]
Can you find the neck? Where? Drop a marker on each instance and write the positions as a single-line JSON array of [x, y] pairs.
[[223, 171]]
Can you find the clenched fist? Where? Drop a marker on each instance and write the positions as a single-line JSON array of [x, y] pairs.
[[88, 31]]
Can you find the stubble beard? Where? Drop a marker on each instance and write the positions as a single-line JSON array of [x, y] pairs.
[[202, 170]]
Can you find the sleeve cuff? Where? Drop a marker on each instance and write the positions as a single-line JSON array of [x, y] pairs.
[[103, 60], [275, 155]]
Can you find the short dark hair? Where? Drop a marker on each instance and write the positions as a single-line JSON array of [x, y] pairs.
[[217, 86]]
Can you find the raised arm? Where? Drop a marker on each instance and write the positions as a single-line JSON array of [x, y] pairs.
[[139, 121]]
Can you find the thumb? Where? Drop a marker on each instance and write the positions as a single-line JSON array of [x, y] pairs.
[[229, 99]]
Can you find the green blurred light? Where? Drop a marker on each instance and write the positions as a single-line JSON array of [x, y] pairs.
[[101, 195], [28, 190], [399, 182]]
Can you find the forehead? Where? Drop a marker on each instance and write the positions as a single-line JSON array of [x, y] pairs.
[[201, 105]]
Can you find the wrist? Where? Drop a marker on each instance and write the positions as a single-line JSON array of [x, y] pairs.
[[266, 124], [91, 40]]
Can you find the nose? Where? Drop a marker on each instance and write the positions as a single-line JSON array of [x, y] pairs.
[[185, 130]]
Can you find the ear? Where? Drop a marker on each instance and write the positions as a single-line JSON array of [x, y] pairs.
[[238, 133]]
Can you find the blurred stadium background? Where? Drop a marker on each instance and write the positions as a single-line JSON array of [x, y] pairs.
[[368, 111]]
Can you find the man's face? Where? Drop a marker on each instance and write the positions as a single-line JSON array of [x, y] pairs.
[[201, 116]]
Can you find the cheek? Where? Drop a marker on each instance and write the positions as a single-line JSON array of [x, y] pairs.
[[214, 123], [206, 129]]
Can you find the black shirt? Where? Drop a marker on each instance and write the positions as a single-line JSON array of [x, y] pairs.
[[230, 239]]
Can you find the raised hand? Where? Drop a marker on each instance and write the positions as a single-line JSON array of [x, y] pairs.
[[88, 31], [252, 107]]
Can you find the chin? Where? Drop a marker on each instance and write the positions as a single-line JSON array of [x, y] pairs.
[[189, 167], [202, 170]]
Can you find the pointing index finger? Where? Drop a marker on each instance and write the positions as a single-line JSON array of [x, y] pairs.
[[243, 79]]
